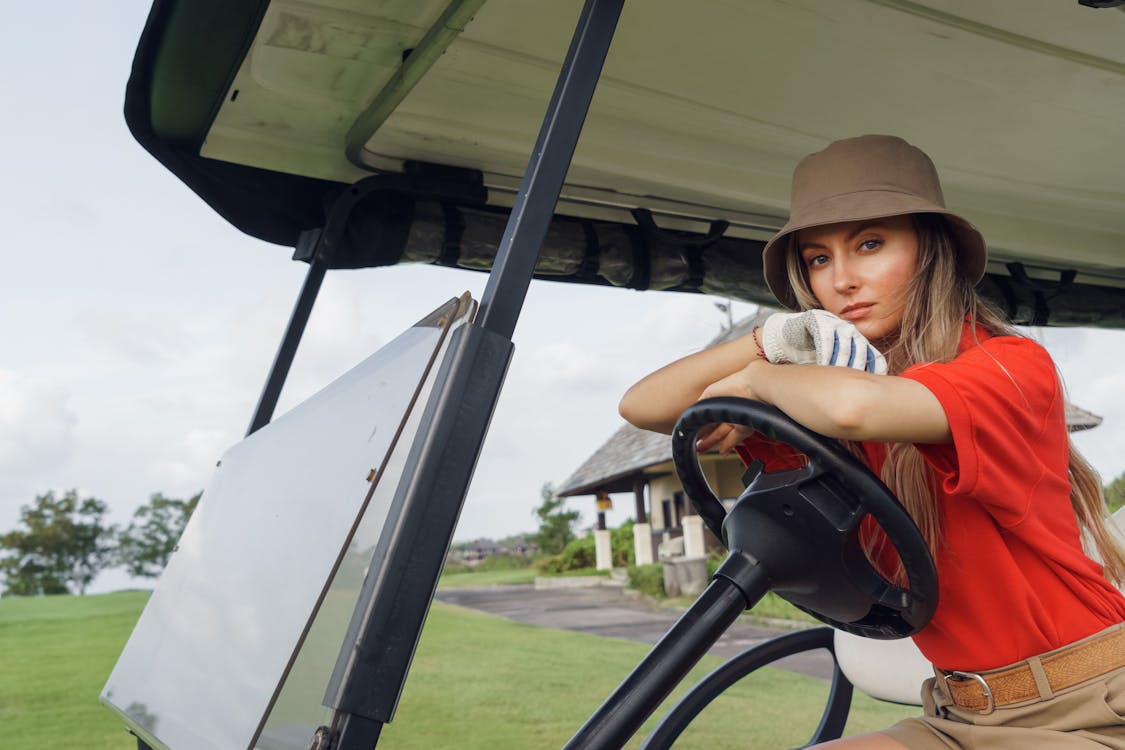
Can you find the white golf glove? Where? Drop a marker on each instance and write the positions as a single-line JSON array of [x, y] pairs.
[[817, 337]]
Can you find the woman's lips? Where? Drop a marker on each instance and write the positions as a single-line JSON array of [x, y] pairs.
[[855, 312]]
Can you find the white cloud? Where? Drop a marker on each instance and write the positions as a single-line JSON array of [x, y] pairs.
[[1092, 364], [36, 425], [186, 465], [125, 337], [681, 324], [564, 364]]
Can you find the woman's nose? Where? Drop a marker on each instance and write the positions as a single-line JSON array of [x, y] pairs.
[[844, 279]]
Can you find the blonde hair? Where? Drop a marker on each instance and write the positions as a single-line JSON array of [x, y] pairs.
[[938, 302]]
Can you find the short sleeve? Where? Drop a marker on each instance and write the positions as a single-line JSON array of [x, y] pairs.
[[1004, 405]]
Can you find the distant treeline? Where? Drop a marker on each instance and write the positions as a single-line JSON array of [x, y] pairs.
[[62, 543]]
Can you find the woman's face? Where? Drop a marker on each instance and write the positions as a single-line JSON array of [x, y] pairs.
[[861, 270]]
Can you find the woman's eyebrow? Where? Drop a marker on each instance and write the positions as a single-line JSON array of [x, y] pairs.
[[809, 245], [863, 228]]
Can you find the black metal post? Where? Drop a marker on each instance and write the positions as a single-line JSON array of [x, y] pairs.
[[542, 182], [670, 660], [379, 646], [267, 402], [319, 247], [357, 733]]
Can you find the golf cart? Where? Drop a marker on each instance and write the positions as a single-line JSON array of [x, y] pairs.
[[370, 134]]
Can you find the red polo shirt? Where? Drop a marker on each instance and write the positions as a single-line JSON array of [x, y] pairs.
[[1014, 580]]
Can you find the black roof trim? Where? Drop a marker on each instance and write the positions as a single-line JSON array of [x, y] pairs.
[[171, 100]]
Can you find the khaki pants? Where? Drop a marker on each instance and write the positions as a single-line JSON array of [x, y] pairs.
[[1088, 715]]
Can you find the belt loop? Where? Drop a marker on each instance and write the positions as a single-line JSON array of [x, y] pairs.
[[1041, 681], [941, 690]]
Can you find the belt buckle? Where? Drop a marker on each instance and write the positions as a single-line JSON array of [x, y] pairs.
[[991, 706]]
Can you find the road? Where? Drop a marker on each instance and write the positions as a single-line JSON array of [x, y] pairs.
[[611, 612]]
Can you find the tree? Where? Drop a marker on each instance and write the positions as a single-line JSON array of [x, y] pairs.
[[64, 543], [1115, 493], [148, 541], [556, 525]]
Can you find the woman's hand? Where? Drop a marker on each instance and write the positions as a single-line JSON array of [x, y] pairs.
[[817, 337], [724, 436], [739, 383]]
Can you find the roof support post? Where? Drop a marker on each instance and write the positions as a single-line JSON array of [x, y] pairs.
[[639, 499], [369, 674], [267, 402], [550, 159]]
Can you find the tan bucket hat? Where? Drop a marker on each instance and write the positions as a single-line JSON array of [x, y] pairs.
[[869, 177]]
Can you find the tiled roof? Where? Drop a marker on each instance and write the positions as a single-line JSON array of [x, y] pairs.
[[626, 454], [1078, 418]]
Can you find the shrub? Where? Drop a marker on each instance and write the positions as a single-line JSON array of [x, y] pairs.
[[503, 562], [582, 553], [715, 558], [576, 555], [648, 579], [452, 566], [622, 545]]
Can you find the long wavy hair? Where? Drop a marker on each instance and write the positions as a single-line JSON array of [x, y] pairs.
[[938, 302]]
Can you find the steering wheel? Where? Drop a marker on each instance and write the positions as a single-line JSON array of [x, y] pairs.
[[804, 525]]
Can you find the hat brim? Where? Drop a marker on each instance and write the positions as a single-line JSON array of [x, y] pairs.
[[870, 204]]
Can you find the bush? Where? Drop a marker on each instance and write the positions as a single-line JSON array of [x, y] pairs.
[[582, 553], [715, 558], [622, 545], [648, 579], [452, 566], [503, 562], [576, 555], [1115, 493]]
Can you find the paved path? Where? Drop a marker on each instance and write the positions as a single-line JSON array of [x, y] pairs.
[[609, 611]]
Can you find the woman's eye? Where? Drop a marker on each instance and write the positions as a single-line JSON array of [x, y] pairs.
[[870, 244], [816, 260]]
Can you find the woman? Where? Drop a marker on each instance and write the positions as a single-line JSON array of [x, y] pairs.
[[967, 428]]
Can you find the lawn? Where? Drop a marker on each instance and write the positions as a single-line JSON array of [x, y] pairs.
[[477, 682], [57, 653], [487, 578]]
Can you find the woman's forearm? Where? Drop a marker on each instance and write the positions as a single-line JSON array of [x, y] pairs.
[[842, 403], [656, 401]]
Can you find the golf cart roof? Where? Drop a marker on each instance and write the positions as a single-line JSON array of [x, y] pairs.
[[268, 109]]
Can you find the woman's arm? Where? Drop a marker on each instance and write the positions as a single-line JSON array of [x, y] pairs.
[[656, 401], [839, 402]]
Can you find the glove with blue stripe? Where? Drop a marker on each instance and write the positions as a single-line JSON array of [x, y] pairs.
[[817, 337]]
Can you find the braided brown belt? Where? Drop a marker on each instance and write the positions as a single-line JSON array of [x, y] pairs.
[[1062, 669]]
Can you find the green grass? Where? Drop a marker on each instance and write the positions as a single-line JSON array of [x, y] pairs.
[[486, 578], [477, 681], [770, 607], [483, 682], [57, 653]]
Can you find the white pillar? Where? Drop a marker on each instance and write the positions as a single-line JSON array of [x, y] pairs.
[[642, 544], [603, 550], [693, 536]]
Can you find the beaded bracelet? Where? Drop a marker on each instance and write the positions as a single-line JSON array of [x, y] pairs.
[[754, 337]]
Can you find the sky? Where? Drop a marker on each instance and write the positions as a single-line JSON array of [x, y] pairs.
[[137, 327]]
